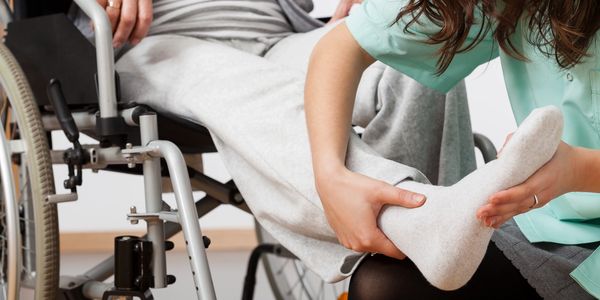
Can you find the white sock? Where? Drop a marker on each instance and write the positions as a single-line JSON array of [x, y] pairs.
[[444, 238]]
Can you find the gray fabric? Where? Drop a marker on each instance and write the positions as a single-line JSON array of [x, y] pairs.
[[386, 107], [438, 145], [258, 125], [297, 13], [221, 19], [546, 266]]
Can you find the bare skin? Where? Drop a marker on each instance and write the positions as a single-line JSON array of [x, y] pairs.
[[572, 169], [343, 9], [352, 201], [131, 22]]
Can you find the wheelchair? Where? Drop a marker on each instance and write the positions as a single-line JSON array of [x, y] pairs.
[[52, 78]]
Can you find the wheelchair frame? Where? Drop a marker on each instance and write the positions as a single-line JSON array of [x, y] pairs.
[[148, 154], [113, 154]]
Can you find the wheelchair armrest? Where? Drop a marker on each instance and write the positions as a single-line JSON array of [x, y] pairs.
[[105, 58], [485, 145]]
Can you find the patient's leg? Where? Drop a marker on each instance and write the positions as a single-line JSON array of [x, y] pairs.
[[402, 119], [410, 123], [443, 238], [254, 110]]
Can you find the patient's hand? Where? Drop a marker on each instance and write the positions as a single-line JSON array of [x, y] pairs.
[[130, 19], [352, 203]]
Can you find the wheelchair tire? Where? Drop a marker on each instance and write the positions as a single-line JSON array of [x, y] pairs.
[[290, 279], [34, 180]]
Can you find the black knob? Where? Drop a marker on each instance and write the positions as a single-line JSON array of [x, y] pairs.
[[61, 109], [171, 279], [169, 245], [206, 241]]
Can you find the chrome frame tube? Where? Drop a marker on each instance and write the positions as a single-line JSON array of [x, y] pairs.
[[83, 120], [86, 120], [188, 218], [153, 193], [105, 269], [27, 202], [6, 15], [105, 58], [102, 270], [13, 235], [95, 289]]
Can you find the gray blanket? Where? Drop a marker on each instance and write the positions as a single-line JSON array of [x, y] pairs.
[[253, 106]]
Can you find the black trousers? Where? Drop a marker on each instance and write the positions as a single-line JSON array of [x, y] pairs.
[[379, 277]]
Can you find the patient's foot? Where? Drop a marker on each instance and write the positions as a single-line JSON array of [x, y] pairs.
[[444, 238]]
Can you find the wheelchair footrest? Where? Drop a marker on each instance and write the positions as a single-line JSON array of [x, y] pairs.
[[133, 268]]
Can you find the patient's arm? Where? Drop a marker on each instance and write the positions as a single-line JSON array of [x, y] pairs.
[[351, 201]]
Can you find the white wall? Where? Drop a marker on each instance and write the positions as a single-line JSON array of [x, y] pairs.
[[105, 197], [491, 113]]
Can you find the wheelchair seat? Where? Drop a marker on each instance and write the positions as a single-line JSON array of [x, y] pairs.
[[62, 52]]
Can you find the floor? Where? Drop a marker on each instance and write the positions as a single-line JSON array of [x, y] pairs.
[[228, 269]]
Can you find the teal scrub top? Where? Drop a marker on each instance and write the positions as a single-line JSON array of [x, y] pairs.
[[570, 219]]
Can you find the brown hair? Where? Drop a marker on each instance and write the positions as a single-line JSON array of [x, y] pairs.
[[563, 29]]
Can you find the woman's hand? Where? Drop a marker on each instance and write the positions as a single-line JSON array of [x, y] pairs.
[[130, 19], [343, 9], [559, 176], [352, 203]]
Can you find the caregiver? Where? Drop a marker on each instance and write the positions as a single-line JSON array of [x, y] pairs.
[[550, 54]]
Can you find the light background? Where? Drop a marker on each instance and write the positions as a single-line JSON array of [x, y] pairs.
[[105, 197]]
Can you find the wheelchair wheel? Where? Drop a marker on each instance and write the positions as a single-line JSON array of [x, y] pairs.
[[290, 279], [33, 180]]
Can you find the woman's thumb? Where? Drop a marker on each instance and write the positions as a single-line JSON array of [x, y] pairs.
[[400, 197]]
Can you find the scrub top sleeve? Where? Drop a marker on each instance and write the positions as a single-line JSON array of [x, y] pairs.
[[373, 26]]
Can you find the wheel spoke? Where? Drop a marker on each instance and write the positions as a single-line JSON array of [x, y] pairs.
[[280, 270], [292, 280]]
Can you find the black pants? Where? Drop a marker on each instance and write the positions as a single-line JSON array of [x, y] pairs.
[[379, 277]]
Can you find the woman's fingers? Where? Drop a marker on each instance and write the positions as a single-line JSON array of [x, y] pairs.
[[127, 20], [497, 210], [113, 17], [496, 222], [400, 197], [385, 246], [372, 240], [144, 20], [523, 193], [352, 203], [509, 203]]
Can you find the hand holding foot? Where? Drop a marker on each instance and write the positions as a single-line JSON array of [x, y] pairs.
[[443, 237], [346, 193], [555, 178]]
